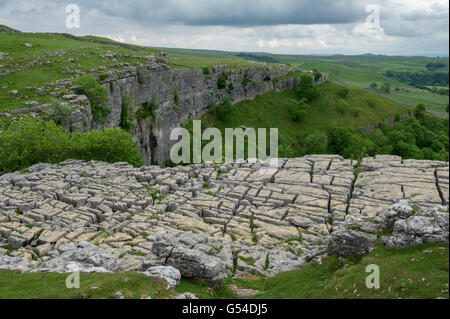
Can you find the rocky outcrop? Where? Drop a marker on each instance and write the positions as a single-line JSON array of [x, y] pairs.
[[210, 221], [154, 98], [196, 93], [417, 226]]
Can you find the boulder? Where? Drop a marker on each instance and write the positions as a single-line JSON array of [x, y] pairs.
[[170, 274], [345, 242]]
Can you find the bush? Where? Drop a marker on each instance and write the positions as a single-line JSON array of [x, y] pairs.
[[386, 88], [205, 70], [58, 113], [222, 81], [419, 111], [140, 79], [230, 87], [31, 141], [97, 95], [316, 143], [224, 109], [246, 80], [357, 111], [371, 102], [299, 110], [126, 114], [176, 98], [103, 77], [307, 89], [109, 145], [147, 109], [317, 75], [343, 92], [343, 106]]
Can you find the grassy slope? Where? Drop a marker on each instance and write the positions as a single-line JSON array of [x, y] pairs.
[[272, 110], [404, 273], [87, 56], [420, 272], [364, 77], [358, 71]]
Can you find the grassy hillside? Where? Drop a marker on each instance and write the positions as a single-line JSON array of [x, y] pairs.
[[274, 110], [360, 71], [30, 61], [420, 272]]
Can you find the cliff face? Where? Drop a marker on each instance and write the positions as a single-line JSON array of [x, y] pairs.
[[196, 92]]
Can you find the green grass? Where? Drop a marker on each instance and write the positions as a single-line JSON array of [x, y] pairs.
[[404, 273], [86, 56], [355, 70], [272, 110], [45, 285], [419, 272]]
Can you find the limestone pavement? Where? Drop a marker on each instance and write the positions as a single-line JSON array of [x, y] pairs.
[[207, 221]]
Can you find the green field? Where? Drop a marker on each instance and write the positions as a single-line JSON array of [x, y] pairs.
[[360, 71], [51, 56], [420, 272]]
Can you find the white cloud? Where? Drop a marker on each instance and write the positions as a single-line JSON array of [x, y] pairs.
[[407, 27]]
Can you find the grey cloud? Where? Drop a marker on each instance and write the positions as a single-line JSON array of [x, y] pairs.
[[224, 12]]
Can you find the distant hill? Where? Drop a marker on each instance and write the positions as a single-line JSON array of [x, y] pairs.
[[4, 28]]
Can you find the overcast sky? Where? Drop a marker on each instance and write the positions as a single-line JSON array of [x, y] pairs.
[[279, 26]]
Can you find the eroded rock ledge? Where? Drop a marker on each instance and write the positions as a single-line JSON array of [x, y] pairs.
[[211, 221]]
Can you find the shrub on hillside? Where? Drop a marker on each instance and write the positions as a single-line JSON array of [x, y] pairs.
[[317, 75], [316, 143], [147, 109], [356, 111], [58, 113], [176, 97], [222, 81], [343, 106], [386, 88], [246, 80], [97, 95], [224, 109], [371, 102], [109, 145], [126, 114], [299, 110], [30, 141], [419, 111], [205, 70], [343, 92]]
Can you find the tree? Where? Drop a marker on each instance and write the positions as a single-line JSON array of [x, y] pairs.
[[97, 95], [374, 86], [307, 89], [299, 110], [343, 106], [386, 88], [343, 92], [419, 112], [224, 109], [317, 75], [316, 143]]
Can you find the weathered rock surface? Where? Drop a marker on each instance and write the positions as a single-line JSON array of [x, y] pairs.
[[429, 225], [94, 216], [171, 275]]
